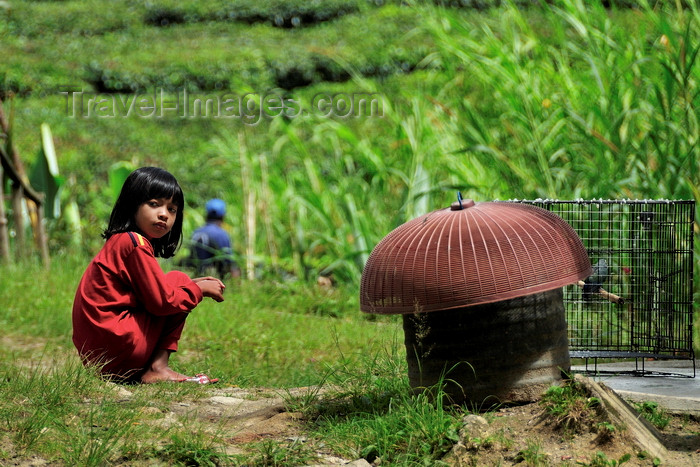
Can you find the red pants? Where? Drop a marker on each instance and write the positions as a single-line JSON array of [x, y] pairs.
[[129, 357]]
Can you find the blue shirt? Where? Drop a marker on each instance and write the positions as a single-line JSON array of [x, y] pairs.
[[211, 246]]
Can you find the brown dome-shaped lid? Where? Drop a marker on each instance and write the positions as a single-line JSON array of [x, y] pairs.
[[470, 254]]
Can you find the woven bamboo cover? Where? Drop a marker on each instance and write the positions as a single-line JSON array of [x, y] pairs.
[[470, 254]]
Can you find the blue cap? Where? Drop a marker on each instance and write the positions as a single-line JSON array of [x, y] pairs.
[[216, 208]]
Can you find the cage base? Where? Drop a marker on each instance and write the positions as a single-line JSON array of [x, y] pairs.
[[639, 362]]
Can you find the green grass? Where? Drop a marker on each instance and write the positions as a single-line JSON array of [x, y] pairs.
[[570, 407], [263, 335], [270, 335], [371, 412], [654, 414], [533, 455], [65, 413], [259, 336]]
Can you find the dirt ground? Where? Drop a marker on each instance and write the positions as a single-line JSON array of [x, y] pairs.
[[518, 435], [515, 430], [511, 436]]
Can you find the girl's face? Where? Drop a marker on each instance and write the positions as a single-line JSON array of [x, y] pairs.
[[156, 217]]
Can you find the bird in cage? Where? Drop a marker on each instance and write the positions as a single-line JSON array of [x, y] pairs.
[[593, 283]]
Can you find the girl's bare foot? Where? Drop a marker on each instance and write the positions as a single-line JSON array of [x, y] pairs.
[[158, 370], [165, 374]]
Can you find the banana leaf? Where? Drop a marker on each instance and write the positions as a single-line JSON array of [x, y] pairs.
[[45, 177], [118, 173]]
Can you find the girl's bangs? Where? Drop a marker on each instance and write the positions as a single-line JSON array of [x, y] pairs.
[[167, 189]]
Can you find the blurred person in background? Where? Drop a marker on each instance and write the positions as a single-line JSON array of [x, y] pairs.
[[211, 244]]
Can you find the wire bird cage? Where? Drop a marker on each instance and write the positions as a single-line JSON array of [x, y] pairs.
[[638, 304]]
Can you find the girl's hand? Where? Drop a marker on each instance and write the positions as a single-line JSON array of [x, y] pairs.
[[207, 278], [211, 287]]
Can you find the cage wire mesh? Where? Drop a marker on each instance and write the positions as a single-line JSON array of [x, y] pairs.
[[638, 303]]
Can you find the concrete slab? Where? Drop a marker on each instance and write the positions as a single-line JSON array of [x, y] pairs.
[[669, 383]]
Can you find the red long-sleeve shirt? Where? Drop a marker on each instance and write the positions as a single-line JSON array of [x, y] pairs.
[[126, 307]]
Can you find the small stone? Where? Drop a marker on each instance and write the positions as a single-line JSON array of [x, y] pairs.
[[120, 391], [170, 420], [123, 393], [150, 410], [473, 426], [223, 400], [334, 462], [359, 463]]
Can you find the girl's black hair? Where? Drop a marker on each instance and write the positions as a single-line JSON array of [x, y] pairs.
[[140, 186]]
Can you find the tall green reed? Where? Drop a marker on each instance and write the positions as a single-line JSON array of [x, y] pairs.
[[578, 105], [326, 194], [572, 100], [560, 100]]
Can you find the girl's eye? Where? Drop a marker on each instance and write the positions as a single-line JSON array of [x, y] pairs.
[[173, 210], [153, 204]]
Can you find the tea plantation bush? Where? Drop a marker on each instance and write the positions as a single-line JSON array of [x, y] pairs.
[[216, 62], [82, 18], [283, 14]]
